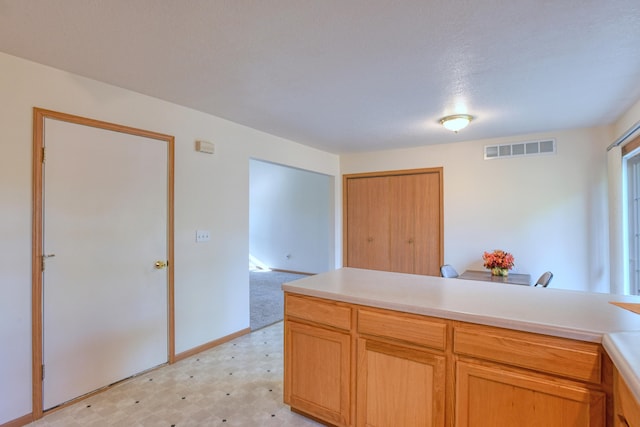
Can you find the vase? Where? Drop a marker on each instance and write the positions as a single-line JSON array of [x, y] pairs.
[[497, 271]]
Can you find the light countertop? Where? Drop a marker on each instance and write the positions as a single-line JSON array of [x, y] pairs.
[[570, 314], [624, 350]]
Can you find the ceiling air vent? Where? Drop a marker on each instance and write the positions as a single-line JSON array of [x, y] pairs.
[[519, 149]]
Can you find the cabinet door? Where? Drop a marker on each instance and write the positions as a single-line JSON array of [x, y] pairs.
[[415, 223], [317, 372], [627, 409], [399, 386], [492, 396], [367, 204]]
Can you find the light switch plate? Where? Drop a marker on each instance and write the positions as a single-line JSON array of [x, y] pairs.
[[203, 235]]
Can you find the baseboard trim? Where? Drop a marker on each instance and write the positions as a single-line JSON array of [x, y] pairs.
[[26, 419], [209, 345], [311, 417], [19, 422], [293, 272]]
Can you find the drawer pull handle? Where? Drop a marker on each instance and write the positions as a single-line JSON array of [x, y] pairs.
[[623, 420]]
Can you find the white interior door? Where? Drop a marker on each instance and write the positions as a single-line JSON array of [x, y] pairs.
[[105, 220]]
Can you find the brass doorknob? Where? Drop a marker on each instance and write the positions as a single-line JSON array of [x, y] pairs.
[[161, 264]]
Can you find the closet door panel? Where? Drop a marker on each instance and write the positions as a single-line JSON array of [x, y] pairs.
[[368, 223], [402, 190], [427, 224], [393, 221]]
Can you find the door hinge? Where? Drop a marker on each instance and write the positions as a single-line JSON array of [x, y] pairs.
[[44, 257], [43, 372], [44, 154]]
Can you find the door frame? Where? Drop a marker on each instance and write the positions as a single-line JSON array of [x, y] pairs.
[[345, 179], [39, 116]]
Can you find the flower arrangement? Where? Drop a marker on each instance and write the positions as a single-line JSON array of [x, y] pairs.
[[498, 261]]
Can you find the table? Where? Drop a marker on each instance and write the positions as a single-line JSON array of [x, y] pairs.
[[512, 278]]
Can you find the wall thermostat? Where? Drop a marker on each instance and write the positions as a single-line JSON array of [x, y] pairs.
[[205, 147]]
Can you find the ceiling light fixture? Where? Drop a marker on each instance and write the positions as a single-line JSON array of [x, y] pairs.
[[456, 122]]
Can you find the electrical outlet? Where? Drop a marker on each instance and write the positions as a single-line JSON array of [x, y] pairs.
[[203, 235]]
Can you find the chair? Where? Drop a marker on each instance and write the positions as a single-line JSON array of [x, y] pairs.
[[448, 271], [544, 279]]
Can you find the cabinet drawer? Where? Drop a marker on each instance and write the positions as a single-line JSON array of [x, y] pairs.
[[627, 408], [317, 310], [403, 327], [559, 356]]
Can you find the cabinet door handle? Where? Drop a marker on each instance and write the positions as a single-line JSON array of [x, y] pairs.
[[369, 239], [623, 420], [410, 241]]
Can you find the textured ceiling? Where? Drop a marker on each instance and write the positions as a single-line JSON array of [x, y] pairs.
[[351, 75]]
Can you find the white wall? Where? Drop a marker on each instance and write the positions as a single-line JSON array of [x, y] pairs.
[[549, 211], [211, 192], [291, 214], [626, 121], [619, 250]]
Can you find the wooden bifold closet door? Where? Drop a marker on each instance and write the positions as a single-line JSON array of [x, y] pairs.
[[393, 221]]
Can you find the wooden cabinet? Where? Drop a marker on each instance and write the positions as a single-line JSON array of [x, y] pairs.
[[399, 386], [401, 375], [561, 357], [493, 395], [626, 407], [349, 365], [393, 221], [317, 362], [506, 377]]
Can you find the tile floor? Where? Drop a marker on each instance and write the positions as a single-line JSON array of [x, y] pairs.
[[238, 383]]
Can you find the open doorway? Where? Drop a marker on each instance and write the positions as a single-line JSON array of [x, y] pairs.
[[291, 233]]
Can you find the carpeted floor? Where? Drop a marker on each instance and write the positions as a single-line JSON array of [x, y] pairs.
[[267, 298]]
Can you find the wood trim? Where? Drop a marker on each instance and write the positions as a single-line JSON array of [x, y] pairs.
[[100, 390], [293, 272], [393, 172], [36, 264], [211, 344], [346, 177], [39, 116], [608, 369], [441, 172], [633, 307], [19, 422], [171, 317], [630, 146], [311, 417], [181, 356]]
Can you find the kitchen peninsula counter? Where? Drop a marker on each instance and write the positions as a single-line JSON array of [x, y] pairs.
[[574, 315]]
